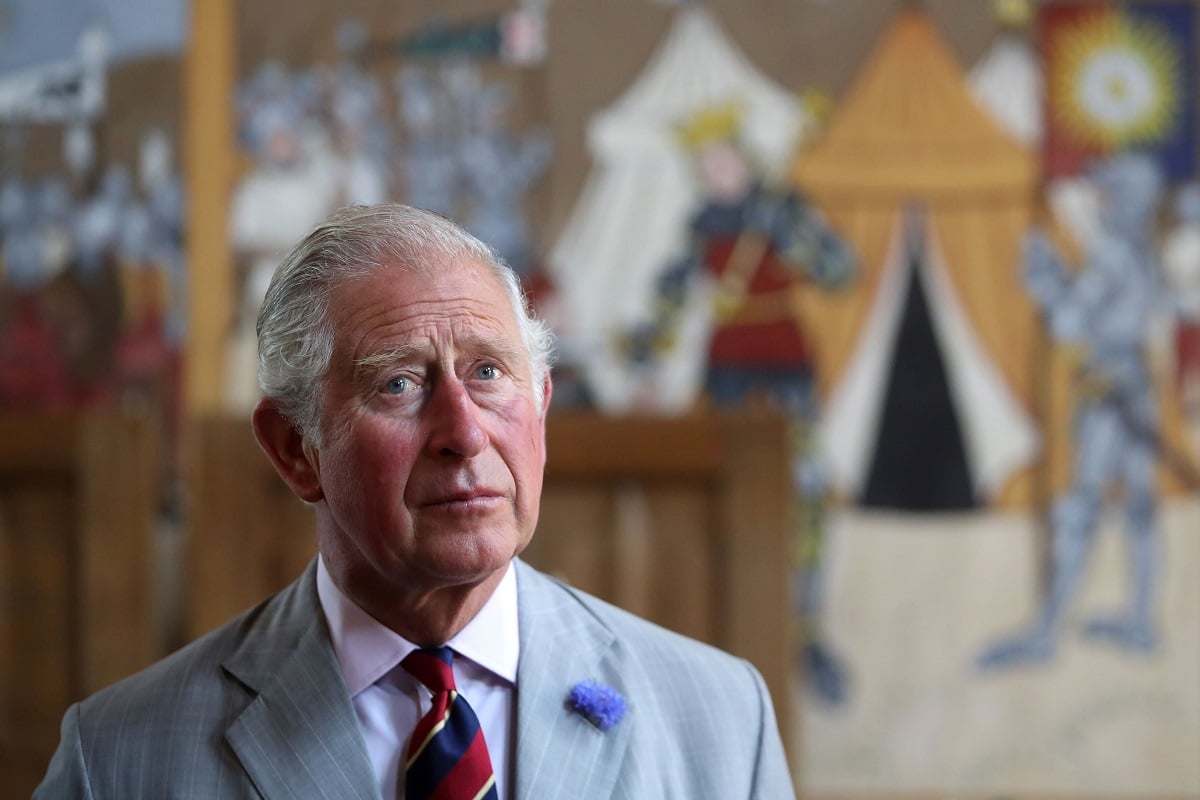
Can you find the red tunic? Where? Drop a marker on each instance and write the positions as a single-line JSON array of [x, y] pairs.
[[33, 372], [764, 331]]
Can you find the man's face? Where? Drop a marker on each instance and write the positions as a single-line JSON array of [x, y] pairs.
[[726, 175], [431, 467]]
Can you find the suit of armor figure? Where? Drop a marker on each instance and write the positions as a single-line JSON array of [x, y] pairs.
[[294, 183], [499, 167], [1106, 311], [431, 171]]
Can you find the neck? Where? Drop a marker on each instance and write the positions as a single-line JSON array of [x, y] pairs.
[[426, 613], [433, 619]]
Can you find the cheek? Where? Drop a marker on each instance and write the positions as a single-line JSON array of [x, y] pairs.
[[521, 441], [376, 463], [531, 457]]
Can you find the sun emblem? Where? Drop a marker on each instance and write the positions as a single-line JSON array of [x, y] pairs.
[[1115, 85]]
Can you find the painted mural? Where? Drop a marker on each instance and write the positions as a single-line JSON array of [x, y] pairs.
[[995, 469], [92, 268], [972, 288], [1021, 511]]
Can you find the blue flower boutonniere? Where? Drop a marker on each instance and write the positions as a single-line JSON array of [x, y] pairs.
[[598, 704]]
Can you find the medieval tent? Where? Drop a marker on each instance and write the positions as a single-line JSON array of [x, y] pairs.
[[931, 190], [631, 219], [935, 198]]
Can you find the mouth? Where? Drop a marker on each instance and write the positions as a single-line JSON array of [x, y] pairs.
[[479, 500]]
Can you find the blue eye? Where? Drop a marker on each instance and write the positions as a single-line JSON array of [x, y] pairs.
[[397, 385], [487, 372]]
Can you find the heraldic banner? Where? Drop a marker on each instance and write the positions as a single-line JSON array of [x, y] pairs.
[[1119, 76]]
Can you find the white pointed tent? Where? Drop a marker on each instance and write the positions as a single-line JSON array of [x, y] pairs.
[[1007, 82], [631, 220]]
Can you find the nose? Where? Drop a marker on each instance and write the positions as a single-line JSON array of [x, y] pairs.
[[455, 428]]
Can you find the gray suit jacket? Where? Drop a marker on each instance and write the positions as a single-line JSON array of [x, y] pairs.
[[258, 708]]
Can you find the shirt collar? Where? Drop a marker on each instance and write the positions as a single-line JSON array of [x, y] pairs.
[[367, 649]]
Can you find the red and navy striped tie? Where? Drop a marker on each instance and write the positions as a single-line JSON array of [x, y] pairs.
[[447, 756]]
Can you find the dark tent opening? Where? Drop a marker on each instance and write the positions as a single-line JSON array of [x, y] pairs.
[[920, 462]]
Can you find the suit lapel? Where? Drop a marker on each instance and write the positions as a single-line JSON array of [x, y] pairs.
[[559, 753], [299, 737]]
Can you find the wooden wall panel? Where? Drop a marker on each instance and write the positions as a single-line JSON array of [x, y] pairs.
[[77, 606], [684, 539], [572, 537], [754, 549], [632, 557], [248, 535], [38, 670], [698, 527], [117, 502]]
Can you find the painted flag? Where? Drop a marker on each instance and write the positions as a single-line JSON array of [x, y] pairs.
[[1119, 76]]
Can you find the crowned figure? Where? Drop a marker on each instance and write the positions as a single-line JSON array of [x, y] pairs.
[[731, 295], [750, 245]]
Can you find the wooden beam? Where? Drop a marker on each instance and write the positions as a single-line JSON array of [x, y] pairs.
[[590, 445], [755, 504], [209, 79]]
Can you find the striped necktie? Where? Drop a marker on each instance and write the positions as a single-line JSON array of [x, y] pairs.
[[447, 756]]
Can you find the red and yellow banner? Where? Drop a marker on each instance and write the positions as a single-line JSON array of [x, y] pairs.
[[1119, 76]]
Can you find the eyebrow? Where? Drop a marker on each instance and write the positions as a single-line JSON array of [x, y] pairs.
[[501, 351], [479, 345], [385, 358]]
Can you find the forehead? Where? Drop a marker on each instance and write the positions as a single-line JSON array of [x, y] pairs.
[[400, 301]]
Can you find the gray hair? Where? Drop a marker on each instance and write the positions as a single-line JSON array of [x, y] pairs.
[[295, 335]]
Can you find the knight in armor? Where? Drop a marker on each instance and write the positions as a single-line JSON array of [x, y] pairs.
[[1105, 311]]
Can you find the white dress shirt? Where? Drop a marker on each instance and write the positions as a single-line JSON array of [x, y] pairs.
[[389, 703]]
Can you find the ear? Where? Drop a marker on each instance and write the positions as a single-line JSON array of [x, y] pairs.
[[294, 457], [547, 391]]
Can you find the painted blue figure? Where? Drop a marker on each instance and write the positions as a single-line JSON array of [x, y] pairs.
[[431, 171], [97, 222], [499, 167], [151, 236], [1107, 311], [360, 135], [165, 199], [21, 247]]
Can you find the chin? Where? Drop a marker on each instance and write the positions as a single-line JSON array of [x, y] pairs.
[[470, 561]]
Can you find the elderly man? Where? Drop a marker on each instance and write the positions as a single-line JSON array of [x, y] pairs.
[[406, 388]]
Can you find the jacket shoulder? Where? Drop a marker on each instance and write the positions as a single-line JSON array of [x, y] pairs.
[[656, 648], [190, 685]]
